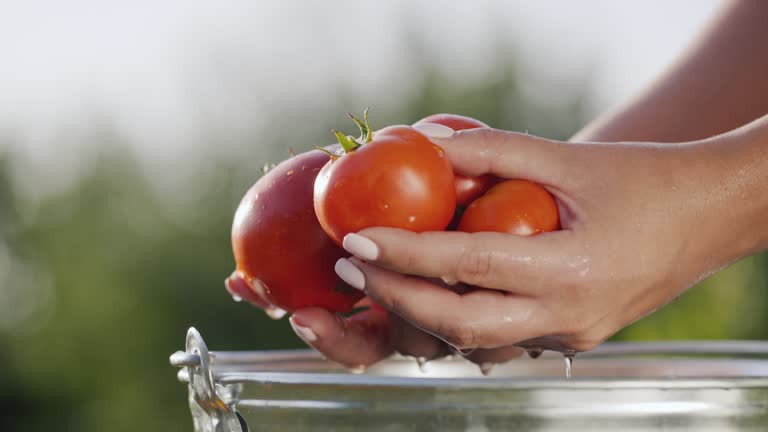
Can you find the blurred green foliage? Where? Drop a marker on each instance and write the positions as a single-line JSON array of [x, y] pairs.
[[100, 281]]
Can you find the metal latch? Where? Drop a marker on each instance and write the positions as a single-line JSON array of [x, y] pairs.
[[212, 405]]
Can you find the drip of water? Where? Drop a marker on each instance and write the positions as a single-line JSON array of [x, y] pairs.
[[568, 356], [237, 298], [486, 368], [534, 353], [357, 370], [422, 362]]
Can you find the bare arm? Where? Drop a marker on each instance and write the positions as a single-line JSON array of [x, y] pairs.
[[719, 84]]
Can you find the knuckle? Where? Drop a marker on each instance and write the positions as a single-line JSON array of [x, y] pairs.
[[409, 260], [475, 265]]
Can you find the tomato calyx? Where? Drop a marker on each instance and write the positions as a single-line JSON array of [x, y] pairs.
[[350, 143]]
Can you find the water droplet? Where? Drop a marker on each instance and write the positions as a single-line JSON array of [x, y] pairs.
[[411, 219], [275, 312], [289, 172], [486, 368], [357, 370], [422, 362], [237, 298], [568, 356], [386, 206], [534, 353]]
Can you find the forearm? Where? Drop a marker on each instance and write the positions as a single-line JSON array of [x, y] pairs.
[[718, 85], [734, 213], [749, 180]]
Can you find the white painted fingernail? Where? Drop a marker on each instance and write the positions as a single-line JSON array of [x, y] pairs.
[[275, 312], [434, 130], [305, 333], [350, 274], [360, 246], [449, 280]]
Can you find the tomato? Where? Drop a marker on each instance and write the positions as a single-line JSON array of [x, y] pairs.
[[467, 188], [517, 207], [395, 177], [277, 240]]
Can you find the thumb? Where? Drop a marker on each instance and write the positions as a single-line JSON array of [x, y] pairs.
[[505, 154]]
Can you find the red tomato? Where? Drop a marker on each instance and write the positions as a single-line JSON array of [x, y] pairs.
[[467, 188], [396, 178], [277, 239], [517, 207]]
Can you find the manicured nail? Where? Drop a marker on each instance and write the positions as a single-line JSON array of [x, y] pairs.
[[275, 312], [305, 333], [434, 130], [449, 280], [350, 274], [360, 246], [241, 289]]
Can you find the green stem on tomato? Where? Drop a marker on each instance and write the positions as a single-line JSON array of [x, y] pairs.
[[326, 151], [347, 142]]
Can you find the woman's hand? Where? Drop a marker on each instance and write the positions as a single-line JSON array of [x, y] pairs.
[[641, 223]]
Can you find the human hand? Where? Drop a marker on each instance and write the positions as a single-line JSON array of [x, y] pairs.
[[368, 336], [641, 223]]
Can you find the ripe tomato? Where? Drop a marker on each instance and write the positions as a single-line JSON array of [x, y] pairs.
[[277, 239], [467, 188], [395, 177], [517, 207]]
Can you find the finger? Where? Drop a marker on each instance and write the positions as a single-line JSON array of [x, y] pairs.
[[359, 340], [490, 260], [477, 319], [411, 341], [502, 153], [241, 287], [487, 357]]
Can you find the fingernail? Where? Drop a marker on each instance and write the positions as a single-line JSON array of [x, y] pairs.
[[305, 333], [241, 289], [275, 312], [434, 130], [449, 280], [350, 274], [360, 246]]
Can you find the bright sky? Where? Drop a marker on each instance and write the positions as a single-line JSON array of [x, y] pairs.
[[150, 63]]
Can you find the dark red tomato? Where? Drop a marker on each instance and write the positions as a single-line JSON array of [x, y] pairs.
[[467, 188], [395, 178], [277, 240], [517, 207]]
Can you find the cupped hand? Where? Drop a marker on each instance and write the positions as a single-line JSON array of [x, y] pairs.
[[641, 223], [368, 336]]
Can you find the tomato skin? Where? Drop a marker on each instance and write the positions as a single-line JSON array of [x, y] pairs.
[[467, 188], [400, 179], [277, 239], [517, 207]]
